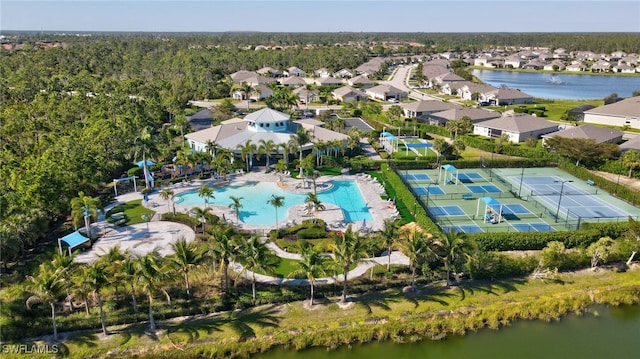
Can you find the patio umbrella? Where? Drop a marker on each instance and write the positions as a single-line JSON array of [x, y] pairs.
[[364, 224], [224, 218], [141, 163]]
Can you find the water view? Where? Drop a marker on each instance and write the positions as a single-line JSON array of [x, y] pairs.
[[602, 333], [561, 86]]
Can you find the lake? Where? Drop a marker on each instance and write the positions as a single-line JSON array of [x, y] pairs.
[[602, 333], [561, 86]]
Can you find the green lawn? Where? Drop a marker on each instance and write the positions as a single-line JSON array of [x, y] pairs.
[[132, 210], [286, 266], [555, 109]]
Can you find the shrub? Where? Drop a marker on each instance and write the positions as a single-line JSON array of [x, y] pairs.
[[312, 233]]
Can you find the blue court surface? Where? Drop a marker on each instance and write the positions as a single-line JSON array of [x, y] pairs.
[[416, 177], [422, 191], [533, 227], [469, 177], [447, 211], [484, 189], [463, 228], [512, 208]]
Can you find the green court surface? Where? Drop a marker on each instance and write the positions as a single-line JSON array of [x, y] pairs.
[[466, 199]]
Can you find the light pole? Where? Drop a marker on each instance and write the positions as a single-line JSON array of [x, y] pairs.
[[428, 193], [560, 199], [521, 178]]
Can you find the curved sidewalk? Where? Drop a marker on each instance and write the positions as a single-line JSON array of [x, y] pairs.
[[397, 257]]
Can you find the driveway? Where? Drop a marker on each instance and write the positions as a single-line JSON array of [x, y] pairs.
[[400, 80]]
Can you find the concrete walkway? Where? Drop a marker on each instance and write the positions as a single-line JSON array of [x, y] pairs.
[[365, 264]]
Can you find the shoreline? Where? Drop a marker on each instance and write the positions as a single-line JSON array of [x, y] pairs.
[[433, 313]]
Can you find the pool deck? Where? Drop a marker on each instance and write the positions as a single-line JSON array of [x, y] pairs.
[[370, 189]]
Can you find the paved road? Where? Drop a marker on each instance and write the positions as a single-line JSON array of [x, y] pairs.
[[400, 79]]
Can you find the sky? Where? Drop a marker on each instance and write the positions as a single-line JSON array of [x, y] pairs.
[[321, 16]]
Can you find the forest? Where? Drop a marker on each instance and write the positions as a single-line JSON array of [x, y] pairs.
[[78, 114]]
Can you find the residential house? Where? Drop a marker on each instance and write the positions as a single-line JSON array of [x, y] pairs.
[[259, 80], [577, 113], [453, 88], [473, 91], [349, 94], [328, 81], [514, 61], [624, 68], [505, 97], [598, 134], [360, 81], [481, 61], [555, 65], [517, 127], [260, 92], [307, 95], [421, 109], [386, 92], [292, 81], [344, 73], [576, 67], [321, 72], [475, 114], [631, 145], [535, 64], [269, 72], [601, 66], [294, 71], [241, 76], [620, 114]]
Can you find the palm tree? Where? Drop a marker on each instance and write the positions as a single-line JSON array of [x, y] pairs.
[[211, 147], [97, 276], [167, 195], [236, 205], [152, 275], [286, 148], [114, 258], [301, 138], [226, 248], [85, 207], [46, 287], [313, 200], [130, 275], [312, 265], [246, 152], [389, 236], [246, 90], [266, 147], [348, 249], [205, 192], [186, 257], [395, 111], [277, 202], [203, 215], [64, 262], [255, 256], [631, 159], [416, 246], [144, 145], [452, 247]]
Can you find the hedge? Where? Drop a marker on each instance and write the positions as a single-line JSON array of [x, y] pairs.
[[405, 195], [538, 240]]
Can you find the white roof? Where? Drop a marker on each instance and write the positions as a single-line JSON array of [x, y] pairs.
[[267, 115]]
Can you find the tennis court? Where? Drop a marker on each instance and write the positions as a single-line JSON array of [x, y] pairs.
[[568, 198], [483, 189], [447, 211], [416, 177], [464, 228], [469, 177], [533, 227], [432, 190]]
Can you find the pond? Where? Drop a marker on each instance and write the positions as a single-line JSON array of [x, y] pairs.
[[604, 332], [561, 85]]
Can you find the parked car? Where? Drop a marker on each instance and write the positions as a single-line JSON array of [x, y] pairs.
[[393, 100]]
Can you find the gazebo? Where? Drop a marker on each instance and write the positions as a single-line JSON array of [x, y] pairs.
[[122, 179], [490, 205], [387, 141], [447, 168], [72, 240]]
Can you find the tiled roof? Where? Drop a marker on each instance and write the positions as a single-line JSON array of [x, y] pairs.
[[520, 123]]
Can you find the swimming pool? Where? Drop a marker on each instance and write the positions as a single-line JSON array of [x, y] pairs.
[[255, 209]]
